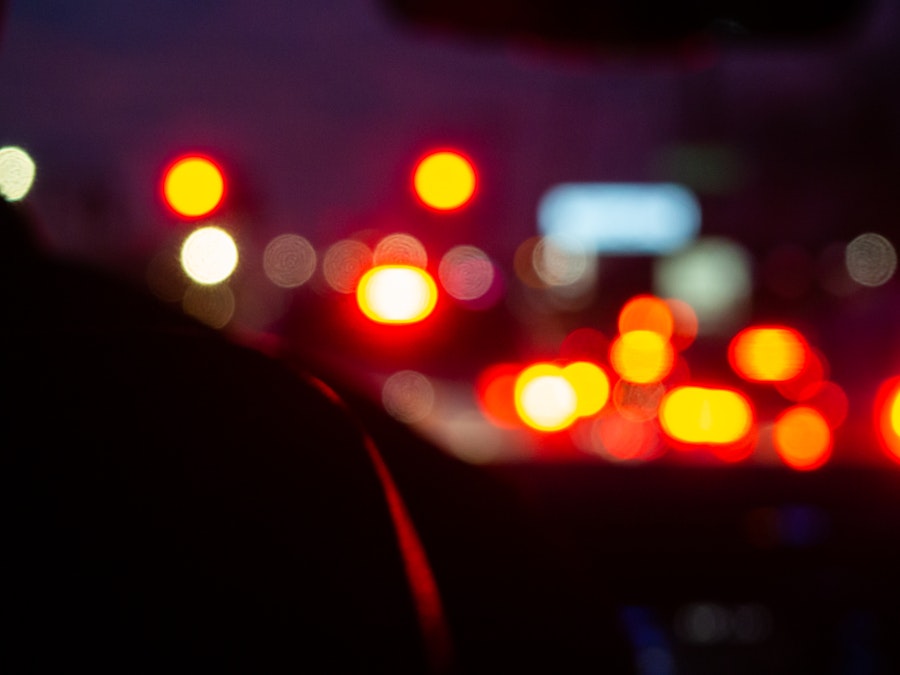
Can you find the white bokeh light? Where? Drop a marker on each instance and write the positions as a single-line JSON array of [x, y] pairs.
[[209, 255]]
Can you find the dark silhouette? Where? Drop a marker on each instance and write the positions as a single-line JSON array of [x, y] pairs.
[[175, 502]]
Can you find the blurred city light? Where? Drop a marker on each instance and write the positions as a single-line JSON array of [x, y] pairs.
[[871, 259], [814, 372], [209, 255], [289, 260], [707, 623], [591, 386], [887, 417], [396, 294], [829, 399], [684, 328], [444, 180], [545, 399], [523, 263], [623, 218], [587, 344], [641, 356], [646, 312], [400, 249], [466, 273], [193, 186], [768, 354], [344, 264], [495, 390], [558, 264], [408, 396], [802, 438], [713, 276], [637, 402], [17, 171], [622, 440], [705, 416], [213, 305], [703, 623]]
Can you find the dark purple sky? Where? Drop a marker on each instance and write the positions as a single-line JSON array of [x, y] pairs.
[[320, 108]]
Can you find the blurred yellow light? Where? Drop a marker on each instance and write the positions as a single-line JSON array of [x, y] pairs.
[[646, 312], [444, 180], [396, 294], [705, 416], [591, 386], [209, 255], [545, 399], [193, 186], [642, 356], [887, 417], [768, 354], [895, 413], [17, 171], [802, 438]]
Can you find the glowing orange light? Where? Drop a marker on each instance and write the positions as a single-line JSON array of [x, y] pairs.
[[802, 438], [646, 312], [705, 416], [768, 354], [591, 386], [496, 394], [642, 356], [887, 417], [444, 180], [624, 440], [396, 294], [193, 186], [815, 371], [545, 399]]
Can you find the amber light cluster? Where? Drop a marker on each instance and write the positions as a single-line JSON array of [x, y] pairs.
[[628, 398], [634, 397]]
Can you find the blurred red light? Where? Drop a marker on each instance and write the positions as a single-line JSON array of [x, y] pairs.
[[887, 417], [646, 312], [193, 186], [495, 391]]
